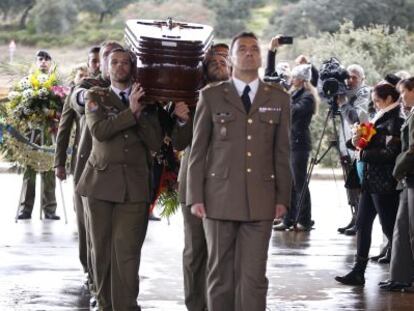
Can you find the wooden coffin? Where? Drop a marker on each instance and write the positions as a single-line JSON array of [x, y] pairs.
[[170, 56]]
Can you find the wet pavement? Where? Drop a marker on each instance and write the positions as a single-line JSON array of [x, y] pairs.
[[39, 268]]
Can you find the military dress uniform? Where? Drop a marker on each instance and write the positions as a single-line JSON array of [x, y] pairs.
[[116, 183], [195, 247], [239, 169], [68, 119], [402, 252], [77, 103]]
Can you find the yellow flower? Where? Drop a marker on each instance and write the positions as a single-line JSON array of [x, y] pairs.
[[34, 81]]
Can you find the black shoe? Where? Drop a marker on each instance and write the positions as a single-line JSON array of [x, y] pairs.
[[51, 216], [386, 258], [384, 282], [24, 215], [153, 218], [352, 278], [394, 286], [348, 226], [351, 231]]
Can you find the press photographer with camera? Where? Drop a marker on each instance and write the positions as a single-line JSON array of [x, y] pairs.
[[277, 76], [304, 104]]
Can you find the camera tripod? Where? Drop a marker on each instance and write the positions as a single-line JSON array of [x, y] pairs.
[[316, 159]]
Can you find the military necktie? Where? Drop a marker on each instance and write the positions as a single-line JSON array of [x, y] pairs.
[[124, 98], [246, 98]]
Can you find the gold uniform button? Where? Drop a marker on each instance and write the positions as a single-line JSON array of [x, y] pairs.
[[126, 136], [249, 170], [272, 176], [250, 121], [222, 121], [271, 121], [213, 174], [249, 137], [249, 154]]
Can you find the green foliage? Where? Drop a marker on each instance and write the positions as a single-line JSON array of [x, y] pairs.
[[231, 16], [260, 17], [309, 17], [54, 16]]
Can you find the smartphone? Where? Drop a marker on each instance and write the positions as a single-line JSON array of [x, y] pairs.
[[285, 40]]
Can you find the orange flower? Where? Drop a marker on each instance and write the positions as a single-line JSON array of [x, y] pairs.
[[366, 132]]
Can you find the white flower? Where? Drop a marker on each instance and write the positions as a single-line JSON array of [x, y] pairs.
[[42, 78], [43, 93], [13, 95], [27, 95], [24, 83]]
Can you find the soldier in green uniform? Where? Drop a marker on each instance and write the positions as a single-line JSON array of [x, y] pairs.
[[116, 181], [77, 103], [48, 183]]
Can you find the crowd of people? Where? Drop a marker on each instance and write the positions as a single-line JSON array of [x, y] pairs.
[[246, 148]]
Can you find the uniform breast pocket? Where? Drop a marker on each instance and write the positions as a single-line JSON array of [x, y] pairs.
[[270, 118], [223, 124]]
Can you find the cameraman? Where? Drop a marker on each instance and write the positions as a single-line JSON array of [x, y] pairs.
[[353, 109]]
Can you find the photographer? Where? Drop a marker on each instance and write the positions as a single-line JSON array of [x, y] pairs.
[[353, 109], [304, 104], [274, 44]]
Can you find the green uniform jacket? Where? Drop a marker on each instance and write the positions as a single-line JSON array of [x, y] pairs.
[[239, 162], [118, 168]]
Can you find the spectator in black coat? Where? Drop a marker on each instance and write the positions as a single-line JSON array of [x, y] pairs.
[[374, 166], [303, 106]]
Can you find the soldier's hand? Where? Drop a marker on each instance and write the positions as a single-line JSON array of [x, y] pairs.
[[135, 105], [280, 210], [60, 172], [198, 210], [181, 111], [274, 43]]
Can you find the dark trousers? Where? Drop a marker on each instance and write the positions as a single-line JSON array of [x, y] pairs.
[[299, 165], [402, 255], [47, 191], [194, 262], [371, 204]]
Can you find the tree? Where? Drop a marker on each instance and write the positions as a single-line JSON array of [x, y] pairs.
[[231, 15], [309, 17], [103, 8], [13, 8], [54, 16]]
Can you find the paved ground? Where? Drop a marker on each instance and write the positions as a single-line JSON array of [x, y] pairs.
[[39, 269]]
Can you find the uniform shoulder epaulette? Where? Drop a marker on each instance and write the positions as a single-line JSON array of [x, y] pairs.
[[213, 84], [276, 86]]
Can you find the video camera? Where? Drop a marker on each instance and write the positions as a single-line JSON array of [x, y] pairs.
[[333, 75]]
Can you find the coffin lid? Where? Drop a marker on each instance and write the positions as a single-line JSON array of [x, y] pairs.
[[169, 33]]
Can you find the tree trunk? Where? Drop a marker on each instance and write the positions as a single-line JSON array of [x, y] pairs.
[[25, 14], [101, 18]]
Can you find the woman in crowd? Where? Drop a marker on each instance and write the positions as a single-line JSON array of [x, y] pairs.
[[304, 105], [374, 165], [402, 258]]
